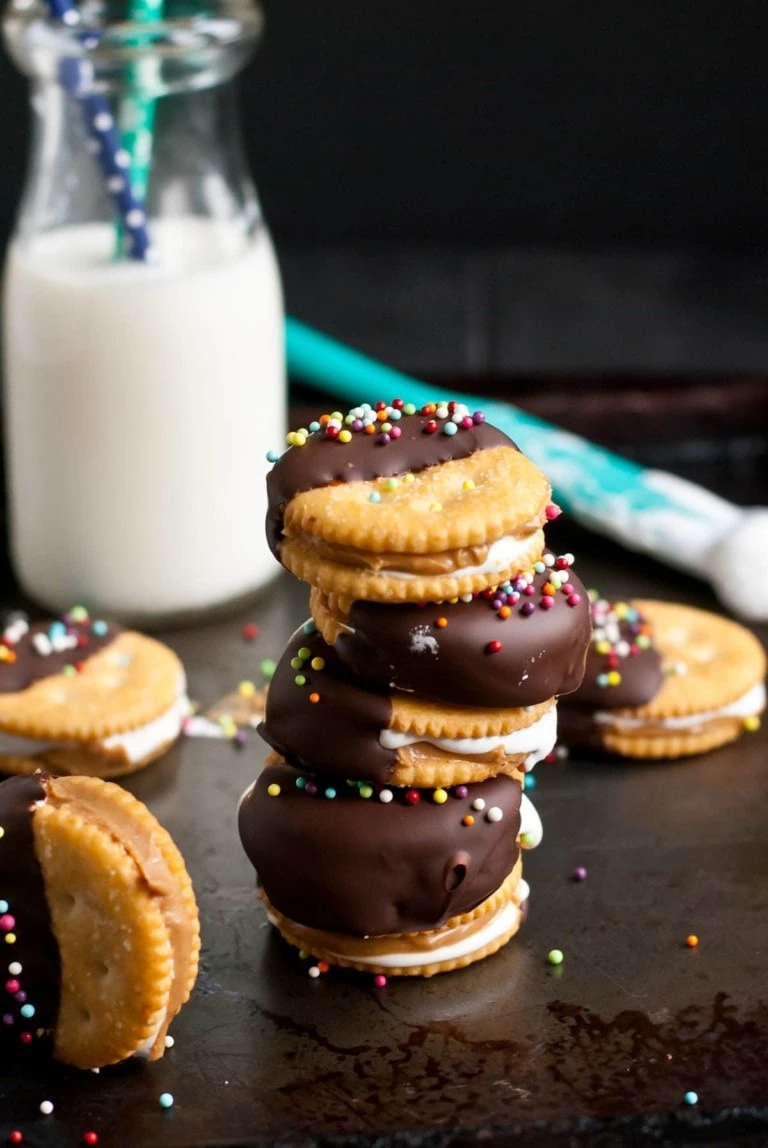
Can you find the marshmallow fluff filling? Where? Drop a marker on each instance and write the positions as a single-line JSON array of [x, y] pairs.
[[535, 741], [530, 824], [498, 923], [748, 705]]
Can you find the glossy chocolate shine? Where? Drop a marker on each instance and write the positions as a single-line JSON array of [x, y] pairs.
[[29, 666], [339, 734], [323, 461], [403, 648], [359, 866], [23, 887]]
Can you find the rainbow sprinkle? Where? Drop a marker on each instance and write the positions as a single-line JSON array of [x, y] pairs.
[[381, 419]]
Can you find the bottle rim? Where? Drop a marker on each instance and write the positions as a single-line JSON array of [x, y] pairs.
[[224, 23]]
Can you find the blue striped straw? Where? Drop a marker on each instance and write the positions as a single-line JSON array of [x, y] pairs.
[[104, 140]]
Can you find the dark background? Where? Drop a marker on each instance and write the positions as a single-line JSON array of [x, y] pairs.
[[495, 190], [441, 121], [495, 122]]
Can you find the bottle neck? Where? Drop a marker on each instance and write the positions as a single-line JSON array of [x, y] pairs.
[[196, 168], [135, 124]]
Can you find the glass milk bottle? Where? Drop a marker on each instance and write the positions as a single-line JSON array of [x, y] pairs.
[[144, 373]]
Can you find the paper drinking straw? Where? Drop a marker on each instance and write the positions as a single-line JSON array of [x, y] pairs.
[[675, 520], [137, 113], [104, 140], [136, 116]]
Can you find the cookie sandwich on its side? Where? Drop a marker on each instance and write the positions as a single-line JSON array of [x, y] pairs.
[[100, 922]]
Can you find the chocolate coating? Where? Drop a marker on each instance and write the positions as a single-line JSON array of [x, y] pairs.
[[322, 461], [339, 734], [402, 648], [641, 675], [359, 866], [23, 887], [30, 667]]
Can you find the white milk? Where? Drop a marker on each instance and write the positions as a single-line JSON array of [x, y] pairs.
[[140, 402]]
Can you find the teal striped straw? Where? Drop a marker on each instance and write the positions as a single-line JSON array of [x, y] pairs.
[[136, 117]]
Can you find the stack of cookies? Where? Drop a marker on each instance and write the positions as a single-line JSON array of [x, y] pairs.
[[387, 826]]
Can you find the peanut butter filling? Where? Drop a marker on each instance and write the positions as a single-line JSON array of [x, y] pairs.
[[422, 753], [428, 565], [140, 843]]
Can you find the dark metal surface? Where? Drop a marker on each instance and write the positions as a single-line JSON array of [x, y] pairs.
[[598, 1051]]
